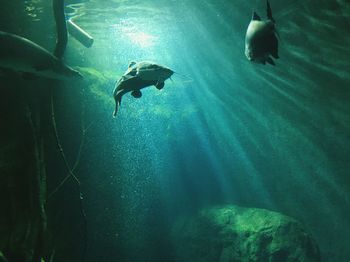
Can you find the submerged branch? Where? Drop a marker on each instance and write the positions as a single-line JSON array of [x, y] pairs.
[[71, 171], [77, 159], [59, 145], [61, 28]]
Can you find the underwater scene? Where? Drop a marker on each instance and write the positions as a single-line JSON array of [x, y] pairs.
[[174, 131]]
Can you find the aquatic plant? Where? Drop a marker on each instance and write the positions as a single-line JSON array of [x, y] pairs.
[[99, 84]]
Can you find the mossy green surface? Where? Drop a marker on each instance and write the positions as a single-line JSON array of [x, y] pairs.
[[234, 233], [99, 84]]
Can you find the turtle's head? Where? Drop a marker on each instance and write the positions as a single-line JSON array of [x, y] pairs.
[[165, 73]]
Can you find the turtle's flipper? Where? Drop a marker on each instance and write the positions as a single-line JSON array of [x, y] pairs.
[[136, 93], [117, 105], [159, 86]]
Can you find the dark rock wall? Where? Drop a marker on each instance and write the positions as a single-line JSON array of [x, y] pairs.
[[22, 171]]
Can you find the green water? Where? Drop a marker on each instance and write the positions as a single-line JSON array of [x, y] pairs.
[[224, 131]]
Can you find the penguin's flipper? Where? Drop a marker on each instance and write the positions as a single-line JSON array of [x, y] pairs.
[[270, 61], [269, 11], [256, 17]]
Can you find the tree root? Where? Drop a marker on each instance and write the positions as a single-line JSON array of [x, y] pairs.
[[39, 184]]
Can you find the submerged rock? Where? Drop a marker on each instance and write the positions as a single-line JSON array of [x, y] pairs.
[[231, 233], [2, 258]]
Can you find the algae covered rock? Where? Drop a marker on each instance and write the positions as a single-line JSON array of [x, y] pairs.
[[232, 233]]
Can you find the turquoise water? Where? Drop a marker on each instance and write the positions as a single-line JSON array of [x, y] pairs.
[[223, 131]]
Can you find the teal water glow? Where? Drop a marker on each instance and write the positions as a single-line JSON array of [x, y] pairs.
[[262, 136], [240, 133]]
